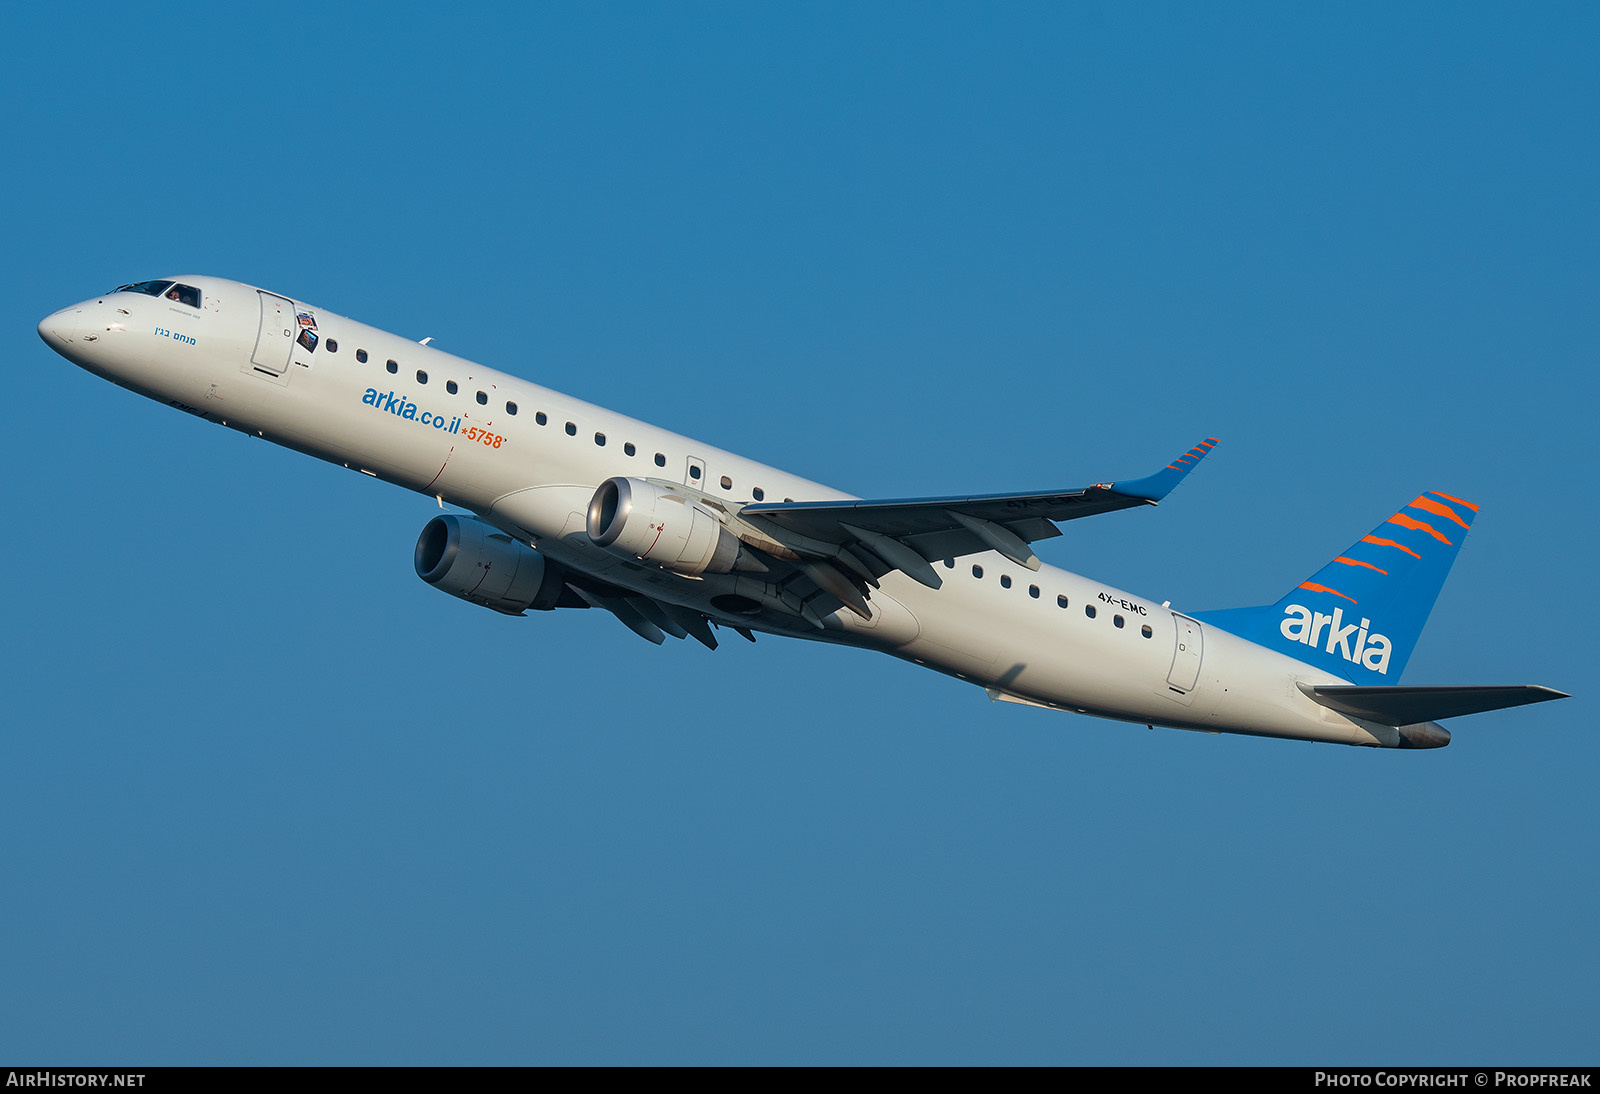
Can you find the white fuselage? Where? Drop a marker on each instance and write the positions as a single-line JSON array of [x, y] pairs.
[[1026, 636]]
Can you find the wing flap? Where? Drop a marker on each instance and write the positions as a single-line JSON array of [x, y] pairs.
[[645, 616]]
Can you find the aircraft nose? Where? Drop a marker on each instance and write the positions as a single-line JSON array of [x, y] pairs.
[[54, 328], [76, 333], [75, 328]]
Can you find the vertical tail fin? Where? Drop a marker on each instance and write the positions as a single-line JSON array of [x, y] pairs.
[[1361, 614]]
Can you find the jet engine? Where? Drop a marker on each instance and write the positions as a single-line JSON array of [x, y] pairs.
[[638, 519], [483, 565]]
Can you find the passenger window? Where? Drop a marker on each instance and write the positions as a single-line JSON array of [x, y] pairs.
[[572, 429], [1088, 610], [333, 347], [1146, 631], [977, 571], [361, 355], [1061, 602], [450, 386], [695, 472], [727, 483], [661, 460], [539, 416], [483, 398], [1005, 581], [392, 366], [1033, 591], [422, 377], [511, 408], [628, 449], [758, 493], [600, 439], [1117, 621]]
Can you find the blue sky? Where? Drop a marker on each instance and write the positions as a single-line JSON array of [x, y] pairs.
[[271, 799]]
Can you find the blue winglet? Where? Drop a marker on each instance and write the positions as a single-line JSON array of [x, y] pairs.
[[1155, 487]]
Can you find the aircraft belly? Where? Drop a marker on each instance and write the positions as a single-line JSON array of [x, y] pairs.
[[892, 625], [370, 444]]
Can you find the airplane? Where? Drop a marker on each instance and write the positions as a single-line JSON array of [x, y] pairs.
[[575, 506]]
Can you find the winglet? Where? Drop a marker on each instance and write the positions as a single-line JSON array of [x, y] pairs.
[[1153, 488]]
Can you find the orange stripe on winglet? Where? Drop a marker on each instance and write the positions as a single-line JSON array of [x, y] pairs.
[[1358, 562], [1312, 586], [1437, 508], [1458, 501], [1422, 526], [1390, 543]]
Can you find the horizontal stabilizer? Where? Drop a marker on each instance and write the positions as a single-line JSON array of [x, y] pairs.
[[1405, 705]]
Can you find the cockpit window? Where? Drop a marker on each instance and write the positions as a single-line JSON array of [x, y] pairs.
[[149, 288], [184, 294], [178, 294]]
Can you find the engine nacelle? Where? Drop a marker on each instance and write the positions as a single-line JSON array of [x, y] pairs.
[[483, 565], [638, 519]]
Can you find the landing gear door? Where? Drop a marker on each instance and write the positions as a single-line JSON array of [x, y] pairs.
[[1185, 654], [275, 340]]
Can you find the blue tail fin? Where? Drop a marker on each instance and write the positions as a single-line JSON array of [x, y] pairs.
[[1361, 614]]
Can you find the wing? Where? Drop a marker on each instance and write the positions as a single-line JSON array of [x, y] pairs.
[[871, 538], [814, 558], [828, 555]]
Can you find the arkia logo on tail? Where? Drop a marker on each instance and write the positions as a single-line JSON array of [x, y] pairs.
[[1396, 571], [1351, 641]]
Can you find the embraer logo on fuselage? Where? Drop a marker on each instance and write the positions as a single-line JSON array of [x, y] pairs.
[[1349, 640]]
